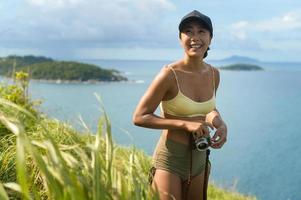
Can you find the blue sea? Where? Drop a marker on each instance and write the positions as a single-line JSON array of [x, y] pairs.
[[261, 108]]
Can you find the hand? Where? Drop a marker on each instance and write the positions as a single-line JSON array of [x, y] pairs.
[[220, 137], [198, 128]]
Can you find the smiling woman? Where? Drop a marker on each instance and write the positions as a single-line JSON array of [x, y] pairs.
[[186, 90]]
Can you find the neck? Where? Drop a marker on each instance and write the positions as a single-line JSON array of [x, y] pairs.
[[194, 63]]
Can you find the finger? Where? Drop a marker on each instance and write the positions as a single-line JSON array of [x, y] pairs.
[[215, 136], [198, 133], [219, 134], [218, 146], [195, 135], [209, 125], [215, 146], [205, 131], [219, 143]]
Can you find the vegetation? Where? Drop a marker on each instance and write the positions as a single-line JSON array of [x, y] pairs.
[[245, 67], [42, 158], [48, 69]]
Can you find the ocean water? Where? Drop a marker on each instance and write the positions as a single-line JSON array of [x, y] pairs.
[[261, 109]]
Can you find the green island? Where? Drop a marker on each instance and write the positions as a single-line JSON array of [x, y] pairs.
[[44, 158], [241, 67], [47, 69]]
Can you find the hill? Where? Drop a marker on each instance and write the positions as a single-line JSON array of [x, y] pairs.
[[237, 59], [43, 68], [241, 66]]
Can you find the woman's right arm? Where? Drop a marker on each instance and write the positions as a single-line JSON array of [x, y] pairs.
[[144, 114]]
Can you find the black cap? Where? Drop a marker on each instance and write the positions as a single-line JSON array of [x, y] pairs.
[[196, 15]]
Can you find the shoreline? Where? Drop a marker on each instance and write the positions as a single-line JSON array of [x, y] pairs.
[[66, 82]]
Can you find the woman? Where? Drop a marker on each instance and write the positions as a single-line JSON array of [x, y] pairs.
[[186, 92]]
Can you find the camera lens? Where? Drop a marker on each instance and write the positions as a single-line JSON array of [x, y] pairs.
[[202, 144]]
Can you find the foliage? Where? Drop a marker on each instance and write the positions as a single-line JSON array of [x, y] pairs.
[[48, 69], [215, 193], [17, 93], [72, 71], [11, 64]]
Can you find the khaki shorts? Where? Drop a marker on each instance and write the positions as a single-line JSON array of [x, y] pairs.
[[174, 157]]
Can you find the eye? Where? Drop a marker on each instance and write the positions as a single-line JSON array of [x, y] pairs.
[[202, 31], [187, 31]]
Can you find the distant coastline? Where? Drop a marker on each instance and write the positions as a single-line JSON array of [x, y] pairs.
[[48, 70], [242, 67]]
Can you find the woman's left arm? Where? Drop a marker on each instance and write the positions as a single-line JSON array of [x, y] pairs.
[[214, 118], [220, 136]]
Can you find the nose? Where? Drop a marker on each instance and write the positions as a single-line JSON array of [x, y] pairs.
[[195, 37]]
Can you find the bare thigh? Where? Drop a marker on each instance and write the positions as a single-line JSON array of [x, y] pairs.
[[196, 187], [168, 185]]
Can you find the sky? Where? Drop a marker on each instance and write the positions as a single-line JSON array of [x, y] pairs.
[[267, 30]]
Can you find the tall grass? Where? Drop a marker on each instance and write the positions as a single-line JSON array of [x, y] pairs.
[[47, 159], [87, 170]]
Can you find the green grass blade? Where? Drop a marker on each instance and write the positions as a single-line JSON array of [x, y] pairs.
[[21, 169], [16, 107], [3, 194]]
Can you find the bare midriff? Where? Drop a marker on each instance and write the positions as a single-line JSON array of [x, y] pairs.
[[179, 135]]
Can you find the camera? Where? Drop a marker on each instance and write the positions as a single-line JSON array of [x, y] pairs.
[[201, 143]]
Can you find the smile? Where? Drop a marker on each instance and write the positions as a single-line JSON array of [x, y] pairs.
[[195, 46]]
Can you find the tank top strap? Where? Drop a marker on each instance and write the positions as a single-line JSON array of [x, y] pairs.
[[213, 78], [175, 74]]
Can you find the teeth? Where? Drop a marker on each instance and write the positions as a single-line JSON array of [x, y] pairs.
[[195, 46]]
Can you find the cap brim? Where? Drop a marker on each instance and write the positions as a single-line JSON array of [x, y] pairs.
[[189, 19]]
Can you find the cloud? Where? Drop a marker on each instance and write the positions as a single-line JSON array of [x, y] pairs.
[[133, 53], [102, 22], [239, 30], [277, 34], [53, 4], [288, 22]]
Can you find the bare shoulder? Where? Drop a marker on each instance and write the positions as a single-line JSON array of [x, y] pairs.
[[216, 76], [165, 74], [216, 71], [164, 80], [177, 65], [167, 70]]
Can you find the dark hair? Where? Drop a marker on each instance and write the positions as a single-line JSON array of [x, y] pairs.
[[206, 53]]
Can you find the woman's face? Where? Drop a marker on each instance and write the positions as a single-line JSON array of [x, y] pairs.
[[195, 39]]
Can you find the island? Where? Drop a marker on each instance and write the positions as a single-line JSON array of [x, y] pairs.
[[42, 68], [241, 66]]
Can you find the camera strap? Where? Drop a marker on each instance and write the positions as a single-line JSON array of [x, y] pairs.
[[190, 167], [205, 184], [187, 184]]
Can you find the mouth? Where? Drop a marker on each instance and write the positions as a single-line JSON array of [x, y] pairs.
[[195, 46]]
